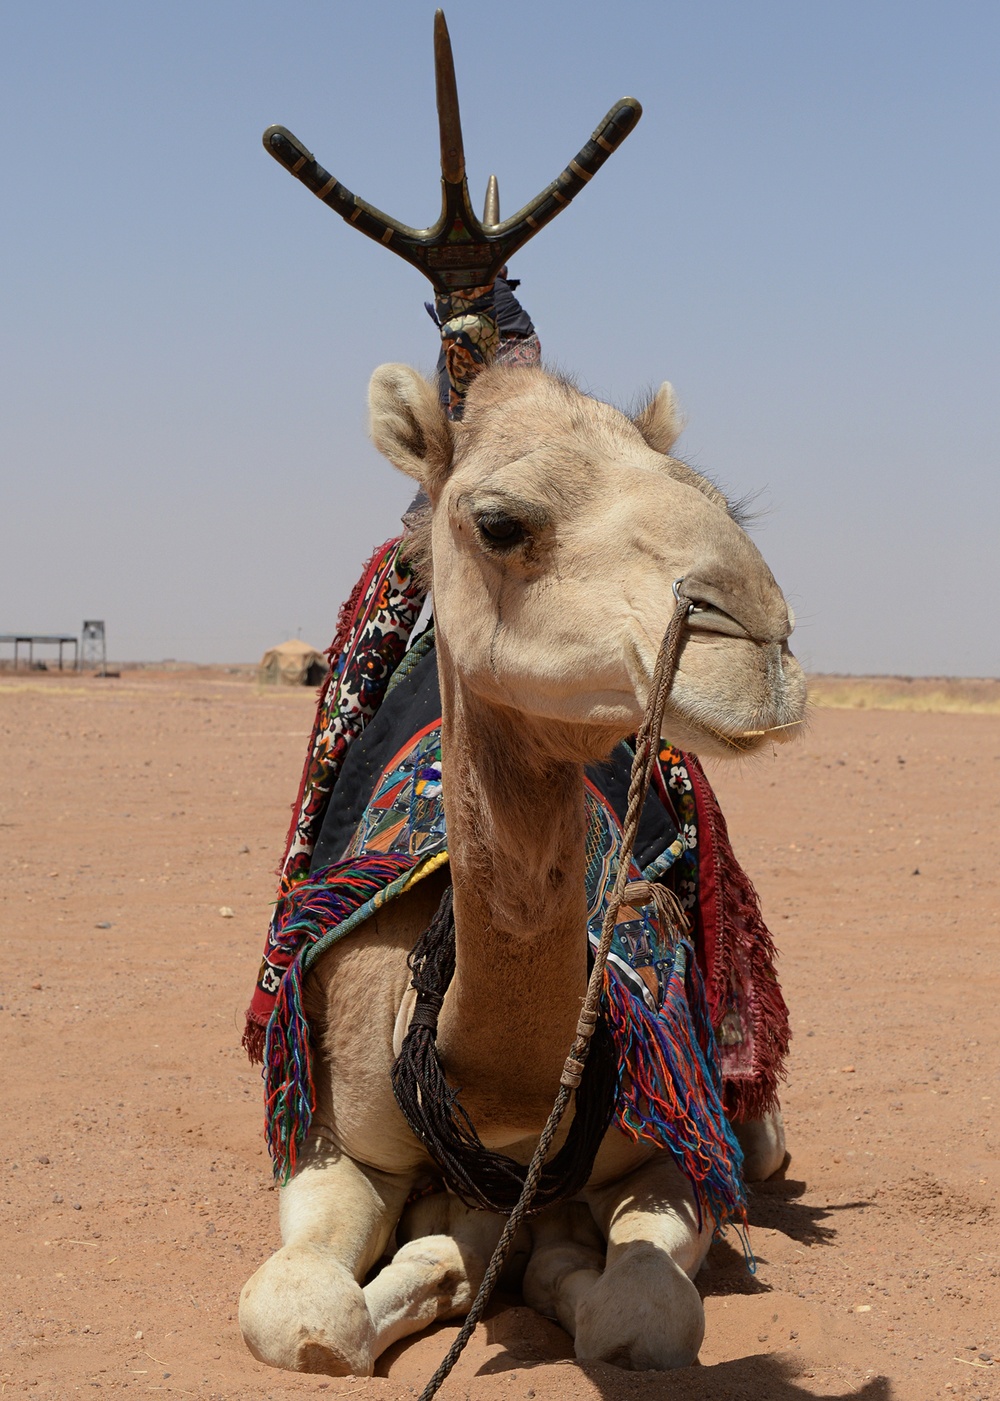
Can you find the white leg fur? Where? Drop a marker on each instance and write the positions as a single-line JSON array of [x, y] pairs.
[[643, 1312], [566, 1262], [427, 1280], [304, 1309], [436, 1273], [763, 1144]]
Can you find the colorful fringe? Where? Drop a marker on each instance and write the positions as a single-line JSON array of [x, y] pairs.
[[316, 907], [373, 629], [671, 1093]]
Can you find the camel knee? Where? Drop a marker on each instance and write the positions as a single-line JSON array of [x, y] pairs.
[[304, 1311], [566, 1262], [643, 1313], [763, 1144], [476, 1233], [437, 1270]]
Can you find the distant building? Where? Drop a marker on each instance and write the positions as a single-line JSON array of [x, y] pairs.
[[293, 663]]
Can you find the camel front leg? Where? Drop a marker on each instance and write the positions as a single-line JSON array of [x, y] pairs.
[[437, 1271], [643, 1312], [566, 1262], [304, 1309]]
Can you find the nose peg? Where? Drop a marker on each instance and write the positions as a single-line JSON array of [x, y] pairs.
[[676, 586]]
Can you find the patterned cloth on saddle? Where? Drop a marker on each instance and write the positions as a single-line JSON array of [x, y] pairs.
[[384, 828], [387, 801], [680, 1009]]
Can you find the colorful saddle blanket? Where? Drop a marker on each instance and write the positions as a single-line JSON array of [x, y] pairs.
[[699, 1019], [391, 804]]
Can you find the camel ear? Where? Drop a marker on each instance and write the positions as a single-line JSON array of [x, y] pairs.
[[408, 425], [661, 421]]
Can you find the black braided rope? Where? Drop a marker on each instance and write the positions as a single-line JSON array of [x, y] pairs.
[[434, 1112]]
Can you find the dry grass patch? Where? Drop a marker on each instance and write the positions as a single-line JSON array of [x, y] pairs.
[[950, 694]]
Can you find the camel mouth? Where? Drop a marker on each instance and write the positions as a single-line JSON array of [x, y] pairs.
[[694, 731], [776, 715], [724, 701]]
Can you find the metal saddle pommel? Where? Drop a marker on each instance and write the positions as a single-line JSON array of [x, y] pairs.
[[460, 255]]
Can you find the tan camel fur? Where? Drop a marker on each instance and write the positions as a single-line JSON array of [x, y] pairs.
[[559, 527]]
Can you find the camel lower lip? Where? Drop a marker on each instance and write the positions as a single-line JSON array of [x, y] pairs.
[[743, 741]]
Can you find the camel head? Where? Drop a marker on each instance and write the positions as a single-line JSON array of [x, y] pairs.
[[559, 527]]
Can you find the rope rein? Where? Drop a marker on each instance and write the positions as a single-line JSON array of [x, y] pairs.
[[646, 749]]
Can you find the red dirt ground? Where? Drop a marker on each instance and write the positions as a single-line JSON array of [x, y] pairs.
[[137, 1194]]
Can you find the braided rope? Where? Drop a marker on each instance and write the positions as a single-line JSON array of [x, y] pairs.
[[646, 749], [482, 1178]]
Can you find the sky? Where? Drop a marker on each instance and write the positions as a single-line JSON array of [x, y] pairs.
[[802, 234]]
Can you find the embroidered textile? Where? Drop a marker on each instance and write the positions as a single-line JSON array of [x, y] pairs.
[[523, 351], [671, 1090], [372, 632], [737, 955]]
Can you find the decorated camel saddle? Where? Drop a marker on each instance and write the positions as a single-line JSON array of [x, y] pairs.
[[467, 842]]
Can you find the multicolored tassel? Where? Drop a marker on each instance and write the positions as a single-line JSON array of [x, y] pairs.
[[309, 913], [671, 1087]]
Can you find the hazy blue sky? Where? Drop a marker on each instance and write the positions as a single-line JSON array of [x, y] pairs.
[[802, 234]]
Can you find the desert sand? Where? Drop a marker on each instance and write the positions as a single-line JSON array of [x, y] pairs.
[[137, 1193]]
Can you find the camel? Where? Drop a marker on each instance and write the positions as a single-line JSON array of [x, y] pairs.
[[559, 527]]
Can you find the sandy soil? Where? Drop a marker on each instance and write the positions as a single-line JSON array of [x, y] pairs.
[[137, 1194]]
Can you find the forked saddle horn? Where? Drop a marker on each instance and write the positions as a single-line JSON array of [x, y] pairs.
[[460, 255]]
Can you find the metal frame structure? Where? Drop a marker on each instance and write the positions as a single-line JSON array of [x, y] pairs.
[[33, 639], [93, 646]]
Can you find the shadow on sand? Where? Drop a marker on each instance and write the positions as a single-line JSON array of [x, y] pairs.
[[772, 1205], [725, 1271], [776, 1205], [761, 1378], [541, 1355]]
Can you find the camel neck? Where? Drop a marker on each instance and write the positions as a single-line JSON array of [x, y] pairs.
[[516, 831]]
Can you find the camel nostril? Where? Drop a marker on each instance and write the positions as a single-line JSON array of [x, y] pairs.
[[791, 620]]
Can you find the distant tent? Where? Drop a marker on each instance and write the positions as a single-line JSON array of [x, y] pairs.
[[293, 663]]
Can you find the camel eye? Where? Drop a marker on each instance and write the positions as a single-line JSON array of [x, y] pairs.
[[503, 532]]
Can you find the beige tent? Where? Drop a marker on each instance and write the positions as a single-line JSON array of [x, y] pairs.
[[293, 663]]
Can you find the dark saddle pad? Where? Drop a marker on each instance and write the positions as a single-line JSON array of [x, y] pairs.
[[413, 703]]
